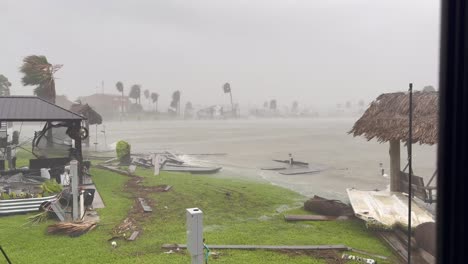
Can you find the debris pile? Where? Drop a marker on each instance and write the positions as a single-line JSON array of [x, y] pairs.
[[72, 229]]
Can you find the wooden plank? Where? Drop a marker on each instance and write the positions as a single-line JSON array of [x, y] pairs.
[[251, 247], [134, 235], [394, 243], [144, 205], [314, 218]]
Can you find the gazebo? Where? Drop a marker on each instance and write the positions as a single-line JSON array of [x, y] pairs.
[[387, 120], [35, 109]]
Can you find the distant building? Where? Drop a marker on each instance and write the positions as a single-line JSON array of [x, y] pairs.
[[108, 105]]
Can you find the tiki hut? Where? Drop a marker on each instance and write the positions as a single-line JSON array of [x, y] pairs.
[[386, 120], [93, 117]]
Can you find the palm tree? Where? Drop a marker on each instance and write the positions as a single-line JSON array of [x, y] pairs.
[[4, 86], [120, 88], [227, 89], [135, 92], [154, 98], [40, 73], [176, 101], [147, 95]]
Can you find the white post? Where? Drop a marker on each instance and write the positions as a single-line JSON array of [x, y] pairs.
[[74, 188], [195, 235], [157, 164], [82, 204]]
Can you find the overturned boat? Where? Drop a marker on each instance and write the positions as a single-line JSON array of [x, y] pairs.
[[190, 169]]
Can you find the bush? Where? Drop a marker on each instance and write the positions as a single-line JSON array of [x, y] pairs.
[[4, 196], [123, 152]]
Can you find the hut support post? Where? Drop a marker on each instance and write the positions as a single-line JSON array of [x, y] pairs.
[[395, 175]]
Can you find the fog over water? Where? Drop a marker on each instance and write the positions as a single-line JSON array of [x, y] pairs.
[[251, 144]]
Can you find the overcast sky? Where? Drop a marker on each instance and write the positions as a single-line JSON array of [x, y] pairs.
[[316, 52]]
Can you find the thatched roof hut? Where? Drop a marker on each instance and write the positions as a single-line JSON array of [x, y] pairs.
[[386, 119], [88, 112]]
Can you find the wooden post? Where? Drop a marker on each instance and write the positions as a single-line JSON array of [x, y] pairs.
[[395, 176]]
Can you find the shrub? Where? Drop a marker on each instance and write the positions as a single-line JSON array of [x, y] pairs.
[[50, 187], [123, 152], [4, 196]]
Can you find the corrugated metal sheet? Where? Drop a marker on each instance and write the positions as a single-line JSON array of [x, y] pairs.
[[23, 205], [32, 108]]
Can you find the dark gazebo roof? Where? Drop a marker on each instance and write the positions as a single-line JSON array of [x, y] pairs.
[[386, 118], [87, 111], [32, 108]]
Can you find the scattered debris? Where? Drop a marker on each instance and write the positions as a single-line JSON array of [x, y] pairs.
[[114, 244], [144, 205], [128, 225], [72, 229], [134, 235], [358, 259], [315, 218]]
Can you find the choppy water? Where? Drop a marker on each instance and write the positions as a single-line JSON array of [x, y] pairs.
[[251, 144]]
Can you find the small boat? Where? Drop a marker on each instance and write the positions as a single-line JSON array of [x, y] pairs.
[[294, 162], [190, 169]]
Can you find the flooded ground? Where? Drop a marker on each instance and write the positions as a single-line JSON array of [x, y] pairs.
[[251, 144]]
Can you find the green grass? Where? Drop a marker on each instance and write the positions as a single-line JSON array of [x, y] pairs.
[[251, 214]]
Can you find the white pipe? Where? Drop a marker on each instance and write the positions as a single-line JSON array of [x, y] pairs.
[[74, 188], [82, 204]]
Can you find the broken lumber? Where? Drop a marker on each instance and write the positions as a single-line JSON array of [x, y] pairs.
[[314, 218], [134, 235], [251, 247], [144, 205]]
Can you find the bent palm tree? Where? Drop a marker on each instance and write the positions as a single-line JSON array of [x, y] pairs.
[[135, 92], [40, 73]]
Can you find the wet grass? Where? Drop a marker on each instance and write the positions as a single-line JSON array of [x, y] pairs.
[[235, 212]]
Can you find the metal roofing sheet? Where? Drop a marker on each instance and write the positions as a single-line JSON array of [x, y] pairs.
[[32, 108]]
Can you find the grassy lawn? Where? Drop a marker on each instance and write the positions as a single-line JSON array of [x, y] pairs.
[[251, 214]]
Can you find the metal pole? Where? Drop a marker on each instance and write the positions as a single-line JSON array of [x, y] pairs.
[[410, 173], [95, 140], [74, 188]]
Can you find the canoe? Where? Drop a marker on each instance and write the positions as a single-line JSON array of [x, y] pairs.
[[191, 169], [294, 162]]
